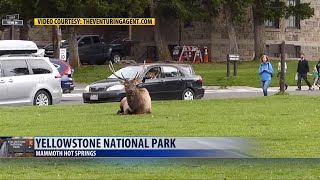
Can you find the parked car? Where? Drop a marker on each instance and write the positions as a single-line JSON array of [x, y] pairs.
[[66, 73], [48, 49], [92, 50], [29, 80], [169, 82]]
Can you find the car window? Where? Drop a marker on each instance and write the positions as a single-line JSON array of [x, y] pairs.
[[188, 70], [96, 39], [14, 68], [56, 65], [39, 66], [154, 73], [86, 40], [128, 72], [170, 71]]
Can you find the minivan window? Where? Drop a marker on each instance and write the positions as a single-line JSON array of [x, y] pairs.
[[14, 68], [39, 66]]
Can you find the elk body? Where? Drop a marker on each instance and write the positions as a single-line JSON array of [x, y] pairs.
[[137, 100]]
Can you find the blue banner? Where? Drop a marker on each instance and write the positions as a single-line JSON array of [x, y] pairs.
[[183, 153]]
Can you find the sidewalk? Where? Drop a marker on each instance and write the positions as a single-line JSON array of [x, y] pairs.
[[290, 88]]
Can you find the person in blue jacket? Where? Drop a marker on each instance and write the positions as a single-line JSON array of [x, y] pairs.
[[266, 73]]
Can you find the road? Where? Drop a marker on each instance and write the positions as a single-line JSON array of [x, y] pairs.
[[211, 93]]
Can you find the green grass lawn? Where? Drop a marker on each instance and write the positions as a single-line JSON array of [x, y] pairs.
[[283, 126], [214, 74]]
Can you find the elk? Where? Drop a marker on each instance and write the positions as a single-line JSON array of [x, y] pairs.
[[137, 100]]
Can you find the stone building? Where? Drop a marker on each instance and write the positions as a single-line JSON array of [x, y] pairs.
[[300, 36]]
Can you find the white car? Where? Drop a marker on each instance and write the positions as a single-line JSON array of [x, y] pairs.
[[28, 80]]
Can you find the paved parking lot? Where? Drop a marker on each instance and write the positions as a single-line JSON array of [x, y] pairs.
[[211, 93]]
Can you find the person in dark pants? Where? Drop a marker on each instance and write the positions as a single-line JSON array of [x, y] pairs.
[[303, 71]]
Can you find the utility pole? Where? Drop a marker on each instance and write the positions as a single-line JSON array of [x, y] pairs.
[[282, 74], [12, 32]]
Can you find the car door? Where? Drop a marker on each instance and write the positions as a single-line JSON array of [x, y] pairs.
[[97, 49], [155, 84], [3, 87], [173, 82], [17, 77], [85, 49]]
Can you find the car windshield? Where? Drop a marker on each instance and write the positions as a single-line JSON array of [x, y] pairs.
[[128, 72]]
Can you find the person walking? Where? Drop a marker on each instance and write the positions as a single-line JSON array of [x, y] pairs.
[[302, 72], [315, 77], [266, 73], [278, 75]]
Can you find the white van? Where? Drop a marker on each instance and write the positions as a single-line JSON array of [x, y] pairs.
[[26, 78]]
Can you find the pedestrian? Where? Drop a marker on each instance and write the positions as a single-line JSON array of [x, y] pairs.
[[266, 73], [303, 72], [315, 77], [318, 67], [278, 75]]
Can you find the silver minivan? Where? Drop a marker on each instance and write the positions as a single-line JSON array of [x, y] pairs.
[[27, 80]]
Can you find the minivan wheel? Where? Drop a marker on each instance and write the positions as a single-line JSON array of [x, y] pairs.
[[42, 98], [187, 94]]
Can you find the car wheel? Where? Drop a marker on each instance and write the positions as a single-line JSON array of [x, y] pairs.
[[116, 57], [187, 94], [42, 98]]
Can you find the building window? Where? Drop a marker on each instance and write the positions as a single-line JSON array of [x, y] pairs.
[[298, 51], [293, 21], [272, 24], [273, 50]]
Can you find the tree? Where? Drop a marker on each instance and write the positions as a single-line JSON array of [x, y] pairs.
[[128, 8], [162, 47], [234, 12], [182, 10], [270, 10], [72, 9], [87, 8], [26, 10]]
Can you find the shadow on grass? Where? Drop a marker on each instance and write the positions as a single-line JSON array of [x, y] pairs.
[[281, 94]]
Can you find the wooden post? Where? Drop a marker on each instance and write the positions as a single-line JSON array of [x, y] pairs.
[[235, 68], [282, 74], [228, 66], [12, 32]]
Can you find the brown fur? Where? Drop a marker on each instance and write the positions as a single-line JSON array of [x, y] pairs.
[[124, 107], [137, 100]]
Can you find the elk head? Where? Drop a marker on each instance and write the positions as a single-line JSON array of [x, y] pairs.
[[130, 85]]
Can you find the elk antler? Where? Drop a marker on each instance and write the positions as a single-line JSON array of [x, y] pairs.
[[140, 76], [114, 73]]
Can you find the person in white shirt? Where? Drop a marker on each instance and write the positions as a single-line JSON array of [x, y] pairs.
[[279, 71]]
